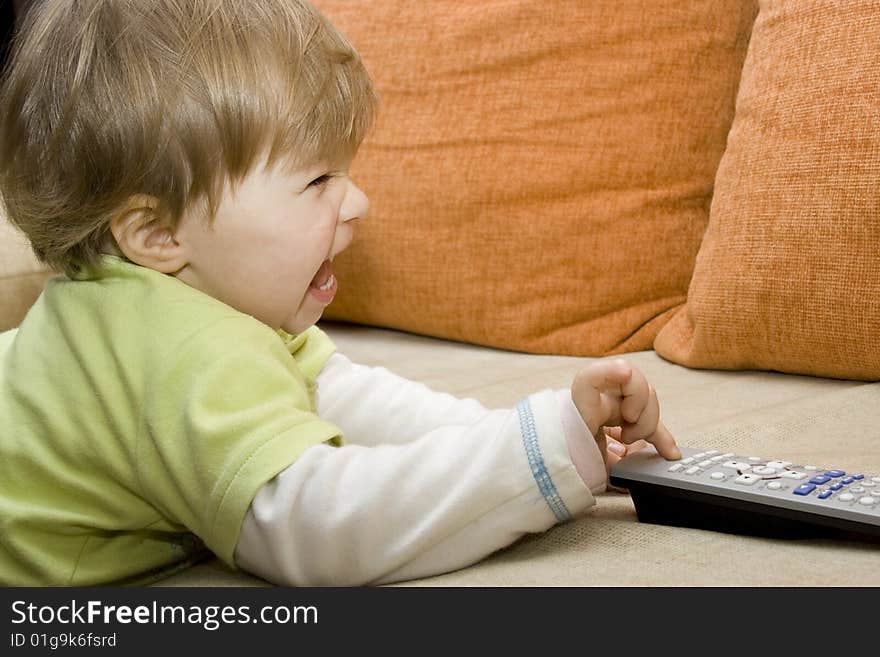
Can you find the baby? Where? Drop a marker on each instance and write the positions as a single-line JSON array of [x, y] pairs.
[[185, 165]]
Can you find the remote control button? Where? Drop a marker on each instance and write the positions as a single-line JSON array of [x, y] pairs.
[[868, 483], [849, 480], [736, 465], [857, 489], [755, 458], [846, 497], [692, 470], [793, 474], [774, 485], [804, 489], [705, 464], [717, 475], [779, 465], [689, 459], [876, 480], [700, 455], [834, 473], [867, 501], [711, 451], [720, 457], [764, 470], [836, 486], [820, 479], [728, 455], [676, 467], [747, 479], [811, 468], [824, 494], [858, 476]]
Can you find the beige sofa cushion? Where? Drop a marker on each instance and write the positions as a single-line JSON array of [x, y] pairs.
[[825, 422]]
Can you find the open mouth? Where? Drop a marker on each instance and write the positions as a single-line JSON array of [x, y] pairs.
[[323, 286]]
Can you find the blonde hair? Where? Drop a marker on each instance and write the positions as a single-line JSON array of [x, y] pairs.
[[107, 99]]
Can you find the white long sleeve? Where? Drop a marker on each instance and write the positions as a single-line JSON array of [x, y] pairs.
[[373, 406], [426, 483]]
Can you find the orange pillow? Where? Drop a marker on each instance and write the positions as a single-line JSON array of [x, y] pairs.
[[788, 276], [541, 172]]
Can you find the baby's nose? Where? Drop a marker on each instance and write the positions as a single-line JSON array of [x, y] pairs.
[[355, 205]]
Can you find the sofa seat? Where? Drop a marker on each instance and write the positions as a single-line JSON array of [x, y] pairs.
[[826, 422]]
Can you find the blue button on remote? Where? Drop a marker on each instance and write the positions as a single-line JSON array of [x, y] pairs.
[[835, 473], [824, 494], [836, 486], [820, 479], [859, 476], [849, 480], [804, 489]]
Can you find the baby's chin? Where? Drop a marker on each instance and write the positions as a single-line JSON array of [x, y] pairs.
[[297, 325]]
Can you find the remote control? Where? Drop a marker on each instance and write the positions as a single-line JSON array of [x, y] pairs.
[[707, 489]]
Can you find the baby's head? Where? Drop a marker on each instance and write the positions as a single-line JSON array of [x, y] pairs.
[[208, 139]]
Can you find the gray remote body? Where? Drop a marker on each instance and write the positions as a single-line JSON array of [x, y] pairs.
[[749, 494]]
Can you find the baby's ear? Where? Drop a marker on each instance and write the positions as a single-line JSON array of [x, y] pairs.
[[145, 237]]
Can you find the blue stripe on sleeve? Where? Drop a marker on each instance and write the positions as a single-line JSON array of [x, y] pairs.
[[536, 462]]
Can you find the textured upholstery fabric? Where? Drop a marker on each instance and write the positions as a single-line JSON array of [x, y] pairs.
[[788, 276], [825, 422], [541, 172]]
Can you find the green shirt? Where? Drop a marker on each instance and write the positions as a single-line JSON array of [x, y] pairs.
[[140, 416]]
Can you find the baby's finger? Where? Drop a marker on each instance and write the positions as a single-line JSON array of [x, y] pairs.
[[636, 446], [604, 374], [616, 451], [647, 421], [613, 432], [636, 396], [664, 443], [587, 391], [615, 446]]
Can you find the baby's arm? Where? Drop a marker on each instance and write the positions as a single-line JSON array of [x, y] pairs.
[[374, 406], [461, 491], [443, 482]]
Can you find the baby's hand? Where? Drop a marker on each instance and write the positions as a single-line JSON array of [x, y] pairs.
[[614, 397]]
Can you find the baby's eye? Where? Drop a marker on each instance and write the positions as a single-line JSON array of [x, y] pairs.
[[320, 181]]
